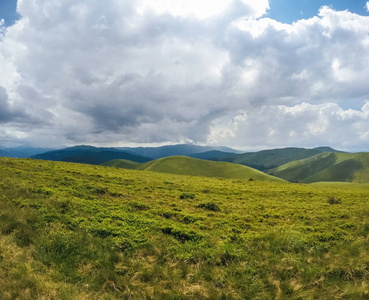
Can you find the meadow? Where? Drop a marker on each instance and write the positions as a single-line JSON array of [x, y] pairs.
[[73, 231]]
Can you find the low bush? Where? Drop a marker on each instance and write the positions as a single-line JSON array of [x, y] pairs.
[[209, 206], [334, 200], [187, 196]]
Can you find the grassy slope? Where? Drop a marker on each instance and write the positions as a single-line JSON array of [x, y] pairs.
[[72, 231], [344, 167], [121, 163], [268, 159], [183, 165]]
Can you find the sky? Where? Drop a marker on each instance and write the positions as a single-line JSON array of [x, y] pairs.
[[246, 74]]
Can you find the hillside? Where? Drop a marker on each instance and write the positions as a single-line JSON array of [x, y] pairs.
[[342, 167], [268, 159], [89, 155], [72, 231], [183, 165]]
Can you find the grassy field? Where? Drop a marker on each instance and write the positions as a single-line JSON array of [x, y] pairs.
[[183, 165], [73, 231]]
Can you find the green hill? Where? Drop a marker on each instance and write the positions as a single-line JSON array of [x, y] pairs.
[[268, 159], [122, 163], [72, 231], [342, 167], [183, 165]]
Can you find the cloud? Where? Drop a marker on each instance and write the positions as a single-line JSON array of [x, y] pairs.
[[7, 112], [304, 125], [367, 6], [118, 72]]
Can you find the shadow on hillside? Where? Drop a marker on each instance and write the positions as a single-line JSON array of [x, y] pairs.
[[345, 170]]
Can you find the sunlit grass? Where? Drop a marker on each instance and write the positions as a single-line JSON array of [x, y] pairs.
[[72, 231]]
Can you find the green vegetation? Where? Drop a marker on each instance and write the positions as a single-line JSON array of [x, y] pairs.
[[183, 165], [268, 159], [73, 231], [344, 167]]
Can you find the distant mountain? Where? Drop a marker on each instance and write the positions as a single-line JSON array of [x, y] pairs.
[[183, 165], [89, 155], [343, 167], [5, 153], [268, 159], [214, 155], [175, 150], [21, 152]]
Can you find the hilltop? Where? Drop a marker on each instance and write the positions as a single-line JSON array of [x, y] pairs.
[[183, 165]]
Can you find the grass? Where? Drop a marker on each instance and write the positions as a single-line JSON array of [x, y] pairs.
[[73, 231]]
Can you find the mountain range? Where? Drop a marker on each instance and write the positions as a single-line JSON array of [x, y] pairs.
[[89, 155], [291, 164], [175, 150], [21, 152]]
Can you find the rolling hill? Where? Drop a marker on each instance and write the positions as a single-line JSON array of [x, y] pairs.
[[89, 155], [342, 167], [269, 159], [183, 165]]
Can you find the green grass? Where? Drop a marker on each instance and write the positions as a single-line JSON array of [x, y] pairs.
[[73, 231], [183, 165], [268, 159], [343, 167]]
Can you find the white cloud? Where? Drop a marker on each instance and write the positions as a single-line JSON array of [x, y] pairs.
[[139, 71], [367, 6], [304, 125], [201, 9]]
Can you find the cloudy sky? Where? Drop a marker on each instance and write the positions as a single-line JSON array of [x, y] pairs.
[[250, 74]]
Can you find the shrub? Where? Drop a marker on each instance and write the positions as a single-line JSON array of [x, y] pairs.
[[187, 196], [182, 235], [333, 200], [138, 206], [209, 206]]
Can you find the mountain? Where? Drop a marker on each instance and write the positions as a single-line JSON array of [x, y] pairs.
[[269, 159], [89, 155], [175, 150], [21, 152], [214, 155], [5, 153], [183, 165], [343, 167]]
